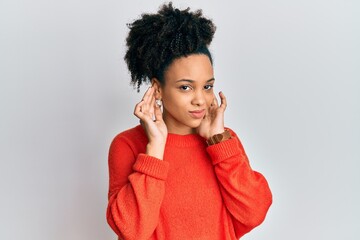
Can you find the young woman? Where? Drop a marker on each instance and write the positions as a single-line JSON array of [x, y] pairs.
[[180, 174]]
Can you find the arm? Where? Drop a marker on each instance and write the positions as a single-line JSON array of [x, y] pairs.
[[136, 190], [245, 192], [137, 180]]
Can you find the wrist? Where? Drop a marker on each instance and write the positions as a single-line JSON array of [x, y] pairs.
[[219, 137], [217, 131], [155, 150]]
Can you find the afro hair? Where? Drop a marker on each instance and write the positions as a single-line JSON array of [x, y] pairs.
[[155, 40]]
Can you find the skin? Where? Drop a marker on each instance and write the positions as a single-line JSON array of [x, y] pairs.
[[188, 87]]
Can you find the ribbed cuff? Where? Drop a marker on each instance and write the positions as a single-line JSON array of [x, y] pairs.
[[151, 166], [224, 150]]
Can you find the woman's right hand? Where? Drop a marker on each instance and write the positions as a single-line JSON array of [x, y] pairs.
[[150, 116]]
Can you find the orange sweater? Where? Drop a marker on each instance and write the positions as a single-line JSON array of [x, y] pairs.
[[196, 192]]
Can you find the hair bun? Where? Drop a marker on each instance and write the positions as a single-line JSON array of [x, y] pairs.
[[191, 26]]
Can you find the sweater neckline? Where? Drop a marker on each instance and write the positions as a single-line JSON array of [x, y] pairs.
[[187, 140]]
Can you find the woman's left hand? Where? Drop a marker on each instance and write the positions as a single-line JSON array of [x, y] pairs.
[[213, 122]]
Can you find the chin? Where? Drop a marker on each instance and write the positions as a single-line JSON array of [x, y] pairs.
[[194, 123]]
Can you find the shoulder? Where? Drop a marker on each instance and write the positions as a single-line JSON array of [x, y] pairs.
[[133, 137]]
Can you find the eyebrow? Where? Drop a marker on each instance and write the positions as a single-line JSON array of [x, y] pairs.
[[191, 81]]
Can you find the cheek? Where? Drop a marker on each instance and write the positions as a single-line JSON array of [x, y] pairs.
[[177, 100], [209, 99], [173, 102]]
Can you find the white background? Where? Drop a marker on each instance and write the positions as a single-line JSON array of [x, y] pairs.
[[290, 70]]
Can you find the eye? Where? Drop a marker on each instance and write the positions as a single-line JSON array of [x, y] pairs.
[[208, 87], [185, 87]]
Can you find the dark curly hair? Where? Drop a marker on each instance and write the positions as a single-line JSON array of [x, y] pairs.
[[155, 40]]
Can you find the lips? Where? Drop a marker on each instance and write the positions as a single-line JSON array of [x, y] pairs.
[[197, 113]]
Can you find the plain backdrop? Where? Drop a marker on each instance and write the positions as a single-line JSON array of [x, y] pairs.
[[290, 70]]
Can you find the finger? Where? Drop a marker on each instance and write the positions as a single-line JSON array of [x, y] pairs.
[[216, 102], [152, 106], [144, 118], [147, 99], [138, 108], [147, 93], [208, 112], [223, 101]]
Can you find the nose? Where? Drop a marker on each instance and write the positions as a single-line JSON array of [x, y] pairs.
[[198, 98]]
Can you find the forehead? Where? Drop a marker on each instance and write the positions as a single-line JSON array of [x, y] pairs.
[[196, 67]]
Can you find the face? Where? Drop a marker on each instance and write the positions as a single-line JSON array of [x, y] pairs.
[[187, 93]]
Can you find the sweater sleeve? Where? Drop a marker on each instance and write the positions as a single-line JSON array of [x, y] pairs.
[[245, 192], [136, 191]]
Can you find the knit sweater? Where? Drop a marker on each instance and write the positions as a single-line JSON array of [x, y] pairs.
[[195, 192]]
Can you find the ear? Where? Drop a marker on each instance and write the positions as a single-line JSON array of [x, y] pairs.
[[155, 83]]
